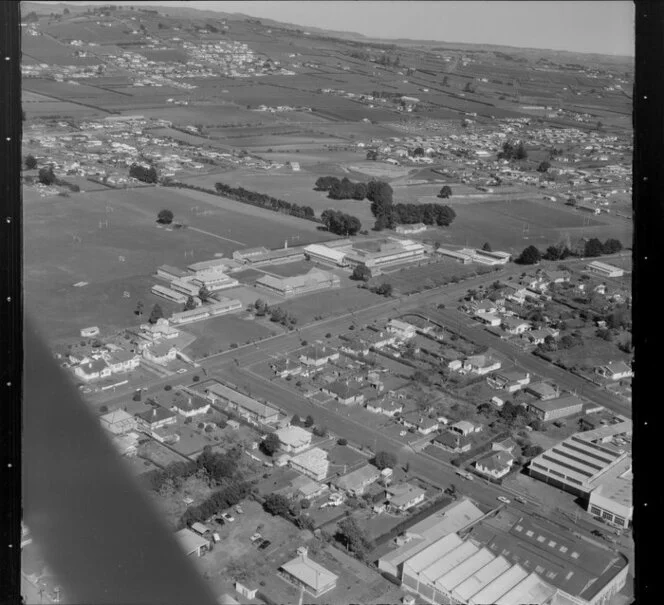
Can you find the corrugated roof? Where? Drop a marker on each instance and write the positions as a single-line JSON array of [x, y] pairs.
[[449, 561], [433, 552], [530, 590], [310, 573], [481, 578], [464, 570], [499, 586]]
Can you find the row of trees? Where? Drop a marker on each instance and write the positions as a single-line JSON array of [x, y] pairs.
[[241, 194], [343, 189], [144, 174], [591, 248], [339, 223]]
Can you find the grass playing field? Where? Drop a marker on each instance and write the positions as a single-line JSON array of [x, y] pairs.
[[110, 240]]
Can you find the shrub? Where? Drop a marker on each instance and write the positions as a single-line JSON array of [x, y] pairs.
[[233, 345], [168, 387], [196, 378], [342, 441]]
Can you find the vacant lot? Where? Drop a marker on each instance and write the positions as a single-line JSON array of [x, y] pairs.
[[328, 303], [218, 333]]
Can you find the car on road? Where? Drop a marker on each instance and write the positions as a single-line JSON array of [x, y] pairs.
[[503, 499], [182, 371], [597, 533], [228, 518], [520, 499], [255, 538], [264, 544]]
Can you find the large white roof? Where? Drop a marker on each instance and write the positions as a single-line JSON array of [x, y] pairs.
[[325, 251]]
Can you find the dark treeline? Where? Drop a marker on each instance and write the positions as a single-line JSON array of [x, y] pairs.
[[146, 175], [339, 223], [343, 189]]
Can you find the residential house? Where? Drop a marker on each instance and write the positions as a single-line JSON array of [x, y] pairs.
[[552, 409], [481, 364], [542, 390], [379, 339], [160, 353], [556, 277], [357, 481], [419, 422], [286, 367], [506, 445], [156, 417], [452, 442], [495, 465], [345, 392], [354, 345], [514, 325], [465, 428], [293, 439], [488, 318], [122, 361], [308, 575], [92, 370], [312, 463], [509, 381], [187, 405], [402, 329], [616, 370], [318, 355], [483, 306], [118, 422], [388, 405], [537, 337], [404, 496]]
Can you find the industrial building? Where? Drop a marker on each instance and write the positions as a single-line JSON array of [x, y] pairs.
[[169, 294], [453, 518], [510, 559], [593, 466], [312, 281]]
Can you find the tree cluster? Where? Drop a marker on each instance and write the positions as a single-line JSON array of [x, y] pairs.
[[230, 495], [353, 537], [146, 175], [361, 273], [513, 151], [30, 162], [280, 316], [343, 189], [165, 217], [339, 223], [384, 289], [271, 444], [47, 176], [429, 214], [384, 460], [264, 201], [445, 192]]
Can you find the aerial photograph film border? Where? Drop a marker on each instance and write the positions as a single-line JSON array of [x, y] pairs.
[[258, 393]]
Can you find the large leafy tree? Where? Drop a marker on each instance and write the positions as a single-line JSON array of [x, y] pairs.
[[530, 256], [385, 460], [165, 217]]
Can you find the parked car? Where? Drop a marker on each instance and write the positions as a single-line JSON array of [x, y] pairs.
[[503, 499], [182, 371], [520, 499], [596, 532], [255, 538], [238, 509], [264, 544], [227, 517]]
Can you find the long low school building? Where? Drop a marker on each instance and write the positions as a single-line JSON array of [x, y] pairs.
[[227, 305], [169, 294], [300, 284], [604, 269], [327, 256], [392, 251]]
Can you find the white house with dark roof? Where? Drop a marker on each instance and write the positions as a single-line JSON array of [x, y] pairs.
[[388, 405], [156, 417], [122, 361], [404, 496], [421, 423], [514, 325]]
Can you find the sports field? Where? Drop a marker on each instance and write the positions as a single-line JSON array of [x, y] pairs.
[[110, 240]]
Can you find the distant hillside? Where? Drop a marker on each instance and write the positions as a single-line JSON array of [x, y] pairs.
[[533, 54]]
